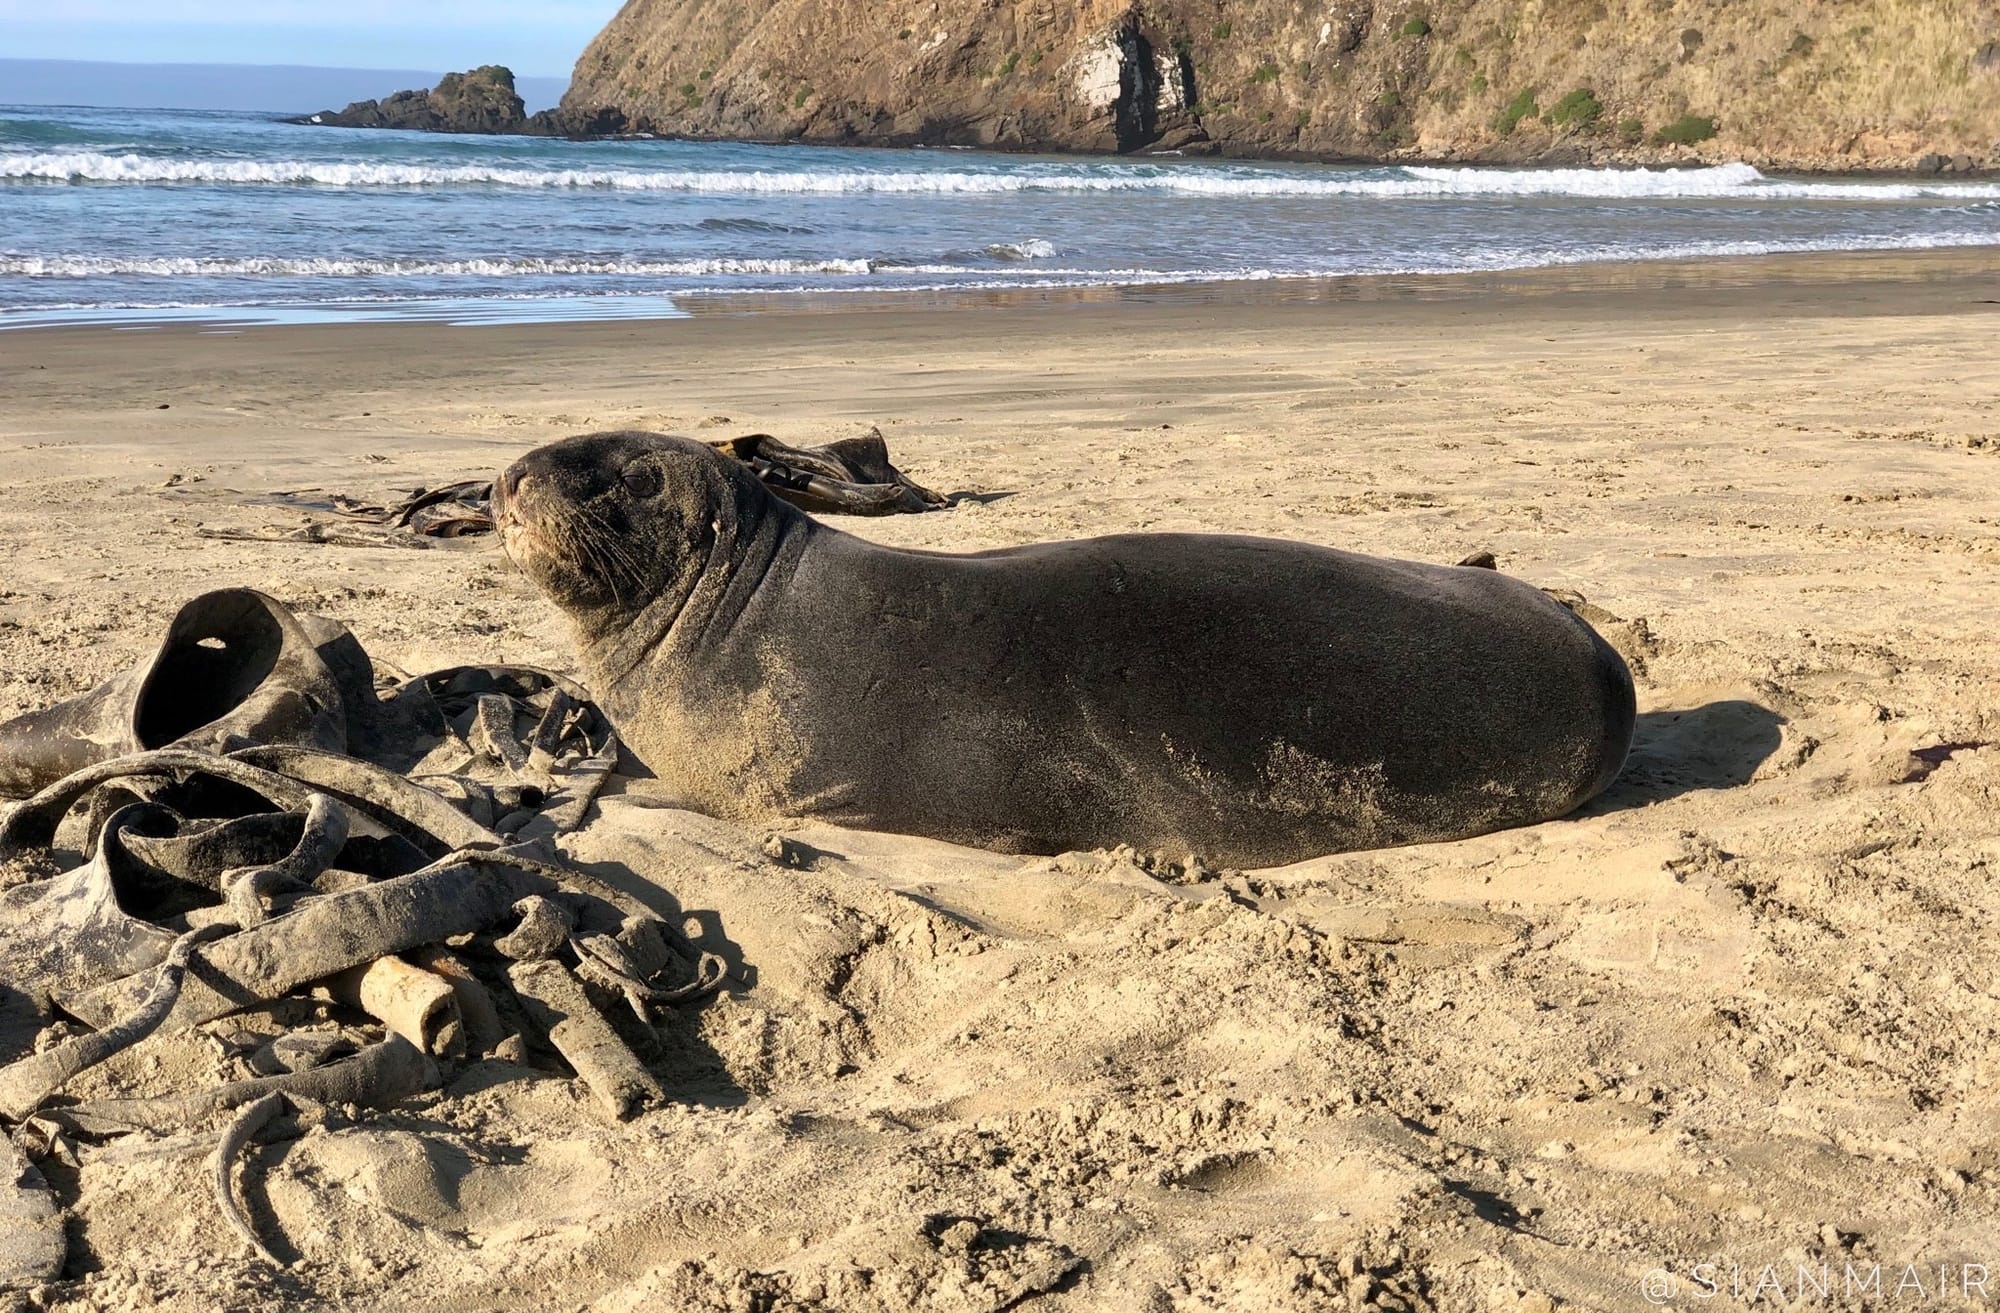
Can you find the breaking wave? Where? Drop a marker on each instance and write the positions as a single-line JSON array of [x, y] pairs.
[[891, 275], [1727, 181], [90, 266], [1032, 249]]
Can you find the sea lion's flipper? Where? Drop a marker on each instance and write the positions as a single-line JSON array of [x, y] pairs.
[[1482, 561], [235, 666]]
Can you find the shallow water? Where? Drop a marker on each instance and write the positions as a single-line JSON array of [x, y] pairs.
[[142, 215]]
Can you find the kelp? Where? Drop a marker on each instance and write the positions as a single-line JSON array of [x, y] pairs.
[[255, 815]]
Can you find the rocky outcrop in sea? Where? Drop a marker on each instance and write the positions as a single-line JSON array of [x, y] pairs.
[[482, 100]]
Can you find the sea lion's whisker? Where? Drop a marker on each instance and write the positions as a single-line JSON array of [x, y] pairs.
[[591, 540], [611, 541], [569, 537], [592, 535]]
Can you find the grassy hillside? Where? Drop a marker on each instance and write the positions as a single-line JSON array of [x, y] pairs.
[[1817, 84]]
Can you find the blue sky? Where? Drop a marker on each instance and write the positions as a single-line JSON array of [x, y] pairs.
[[535, 38]]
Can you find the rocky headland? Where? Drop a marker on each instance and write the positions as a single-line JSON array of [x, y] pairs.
[[1817, 85]]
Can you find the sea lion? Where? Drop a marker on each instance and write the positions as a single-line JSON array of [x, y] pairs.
[[1245, 700]]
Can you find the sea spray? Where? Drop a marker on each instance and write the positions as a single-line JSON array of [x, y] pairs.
[[1739, 181]]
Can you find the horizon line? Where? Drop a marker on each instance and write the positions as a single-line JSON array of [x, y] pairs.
[[233, 63]]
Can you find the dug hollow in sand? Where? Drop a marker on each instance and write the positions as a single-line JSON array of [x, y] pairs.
[[1247, 700]]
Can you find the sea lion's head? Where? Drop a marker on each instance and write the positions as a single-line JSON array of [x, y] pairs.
[[612, 524]]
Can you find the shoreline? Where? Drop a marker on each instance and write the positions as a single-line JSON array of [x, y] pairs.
[[1780, 270], [1557, 157]]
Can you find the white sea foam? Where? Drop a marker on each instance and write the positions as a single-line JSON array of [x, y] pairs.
[[89, 266], [1722, 181], [1728, 181], [897, 279], [1032, 249]]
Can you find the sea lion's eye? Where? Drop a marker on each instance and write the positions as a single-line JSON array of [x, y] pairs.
[[642, 479]]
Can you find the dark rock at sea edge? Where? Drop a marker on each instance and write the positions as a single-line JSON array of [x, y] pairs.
[[480, 101]]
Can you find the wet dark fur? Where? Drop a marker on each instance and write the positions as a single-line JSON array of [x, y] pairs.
[[1247, 700]]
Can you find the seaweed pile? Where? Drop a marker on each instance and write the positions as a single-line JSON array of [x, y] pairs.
[[851, 476], [260, 816]]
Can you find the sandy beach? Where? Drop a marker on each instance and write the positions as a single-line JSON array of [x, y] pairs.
[[1743, 1011]]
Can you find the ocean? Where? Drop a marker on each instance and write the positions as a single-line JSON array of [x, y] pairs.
[[131, 216]]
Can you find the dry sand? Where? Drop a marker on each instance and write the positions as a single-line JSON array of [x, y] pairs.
[[1742, 1010]]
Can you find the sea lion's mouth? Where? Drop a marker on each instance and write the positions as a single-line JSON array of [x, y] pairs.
[[567, 522], [520, 538], [538, 534]]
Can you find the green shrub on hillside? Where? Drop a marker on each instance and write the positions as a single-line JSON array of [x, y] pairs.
[[1415, 27], [1579, 109], [1685, 131], [1631, 131], [1522, 106], [1265, 73]]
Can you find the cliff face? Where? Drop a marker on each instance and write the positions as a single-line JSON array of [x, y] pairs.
[[1829, 84]]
